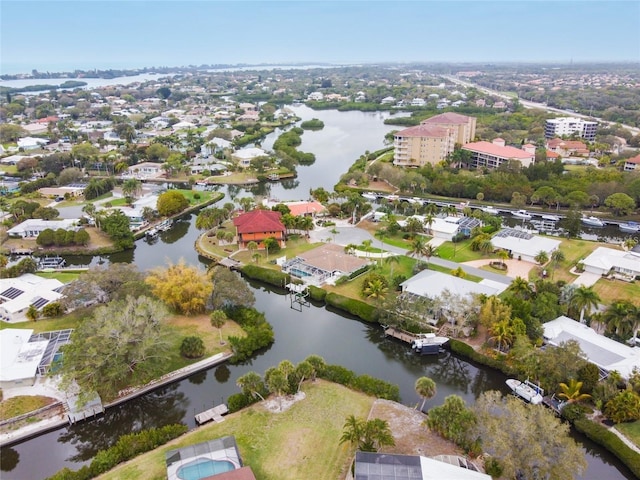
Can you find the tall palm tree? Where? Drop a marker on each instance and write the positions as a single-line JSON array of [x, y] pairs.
[[503, 255], [429, 251], [425, 388], [376, 434], [583, 299], [557, 256], [251, 384], [391, 260], [622, 318], [417, 246], [352, 430], [502, 334], [521, 288], [428, 221]]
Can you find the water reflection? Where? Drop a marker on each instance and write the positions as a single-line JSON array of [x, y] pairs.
[[164, 406], [9, 459], [222, 373]]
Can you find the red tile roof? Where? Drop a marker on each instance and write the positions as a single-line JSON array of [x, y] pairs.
[[448, 118], [635, 160], [551, 154], [430, 131], [305, 208], [258, 221], [244, 473], [497, 150]]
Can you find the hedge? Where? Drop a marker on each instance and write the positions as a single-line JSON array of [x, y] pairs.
[[355, 307], [467, 351], [317, 294], [266, 275], [361, 383], [127, 447], [611, 442]]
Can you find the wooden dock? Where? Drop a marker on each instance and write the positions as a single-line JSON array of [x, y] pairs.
[[400, 334], [215, 414]]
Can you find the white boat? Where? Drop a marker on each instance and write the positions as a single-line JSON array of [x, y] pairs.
[[428, 343], [551, 218], [165, 225], [592, 221], [151, 233], [526, 390], [490, 209], [369, 196], [629, 227], [522, 214]]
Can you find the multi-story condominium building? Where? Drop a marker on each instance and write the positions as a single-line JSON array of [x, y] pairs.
[[433, 140], [493, 154], [557, 127], [422, 144]]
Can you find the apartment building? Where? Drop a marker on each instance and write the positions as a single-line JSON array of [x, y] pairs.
[[558, 127], [493, 154], [433, 140]]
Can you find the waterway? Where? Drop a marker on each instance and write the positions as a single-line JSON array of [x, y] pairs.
[[338, 338], [90, 82]]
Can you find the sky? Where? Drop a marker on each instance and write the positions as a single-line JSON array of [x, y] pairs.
[[64, 35]]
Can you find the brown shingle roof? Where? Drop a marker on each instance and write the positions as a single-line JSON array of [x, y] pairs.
[[331, 257]]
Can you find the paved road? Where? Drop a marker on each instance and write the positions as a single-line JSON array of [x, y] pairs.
[[353, 235]]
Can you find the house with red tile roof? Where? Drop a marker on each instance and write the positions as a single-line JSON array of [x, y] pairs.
[[493, 154], [632, 164], [257, 226], [568, 148]]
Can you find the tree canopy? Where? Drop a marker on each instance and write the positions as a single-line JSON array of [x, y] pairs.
[[171, 202], [123, 342], [183, 288]]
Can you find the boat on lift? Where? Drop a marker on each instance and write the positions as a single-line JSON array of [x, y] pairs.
[[592, 221], [522, 214], [370, 196], [428, 343], [528, 391], [490, 209], [629, 227], [551, 218]]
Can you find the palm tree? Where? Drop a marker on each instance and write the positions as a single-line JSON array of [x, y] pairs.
[[542, 257], [376, 289], [391, 260], [428, 221], [376, 434], [417, 247], [622, 318], [502, 334], [521, 288], [429, 251], [251, 384], [503, 255], [218, 319], [352, 431], [583, 299], [425, 388], [571, 393], [277, 383], [557, 256]]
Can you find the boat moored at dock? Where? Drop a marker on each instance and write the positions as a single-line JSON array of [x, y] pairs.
[[629, 227], [522, 214], [529, 392], [428, 343], [592, 221]]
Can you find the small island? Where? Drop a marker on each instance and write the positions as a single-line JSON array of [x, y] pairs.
[[313, 124]]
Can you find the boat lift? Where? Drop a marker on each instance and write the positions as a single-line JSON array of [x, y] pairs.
[[299, 296]]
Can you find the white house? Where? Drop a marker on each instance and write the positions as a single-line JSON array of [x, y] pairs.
[[18, 294], [523, 245], [604, 352], [19, 357], [31, 143], [603, 261], [145, 170], [316, 96], [245, 155], [431, 283], [32, 227]]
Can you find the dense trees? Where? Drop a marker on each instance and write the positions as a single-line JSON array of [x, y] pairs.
[[116, 225], [124, 342], [229, 289]]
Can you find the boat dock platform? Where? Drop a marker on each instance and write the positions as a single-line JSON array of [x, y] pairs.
[[553, 403], [215, 414], [400, 334]]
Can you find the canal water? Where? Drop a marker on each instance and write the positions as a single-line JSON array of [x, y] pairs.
[[335, 336]]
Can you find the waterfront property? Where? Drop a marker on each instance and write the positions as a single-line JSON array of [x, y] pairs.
[[607, 354], [431, 284], [33, 227], [523, 245], [374, 466], [324, 264], [18, 294], [495, 153], [257, 226], [605, 261], [206, 460]]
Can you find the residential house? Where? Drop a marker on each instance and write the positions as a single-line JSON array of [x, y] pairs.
[[20, 357], [607, 354], [145, 170], [393, 466], [431, 284], [245, 155], [18, 294], [257, 226], [35, 128], [494, 154], [567, 148], [418, 102], [324, 264], [315, 96], [31, 143], [33, 227], [605, 261], [301, 208], [632, 164], [523, 245], [73, 190], [388, 100]]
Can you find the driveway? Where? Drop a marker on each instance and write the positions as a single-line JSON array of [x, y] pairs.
[[587, 279], [515, 268]]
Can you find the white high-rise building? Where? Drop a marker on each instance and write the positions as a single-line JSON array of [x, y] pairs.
[[557, 127]]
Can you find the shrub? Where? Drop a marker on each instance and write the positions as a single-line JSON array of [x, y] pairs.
[[238, 401], [266, 275], [197, 196], [259, 333], [624, 407], [355, 307], [316, 293], [492, 467], [376, 387], [53, 309], [573, 412], [192, 347]]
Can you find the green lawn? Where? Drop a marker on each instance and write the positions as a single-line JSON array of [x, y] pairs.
[[20, 405], [459, 252], [447, 270], [64, 277], [301, 442], [631, 431]]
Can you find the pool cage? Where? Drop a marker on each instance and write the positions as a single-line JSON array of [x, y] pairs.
[[297, 267], [57, 339]]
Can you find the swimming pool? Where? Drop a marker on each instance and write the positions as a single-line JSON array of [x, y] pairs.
[[299, 273], [204, 467]]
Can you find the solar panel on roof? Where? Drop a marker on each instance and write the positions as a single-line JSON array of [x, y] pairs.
[[11, 293], [40, 302]]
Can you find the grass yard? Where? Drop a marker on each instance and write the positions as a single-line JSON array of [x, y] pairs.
[[16, 406], [574, 250], [64, 277], [459, 252], [447, 270], [235, 178], [301, 442], [631, 430], [610, 290]]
